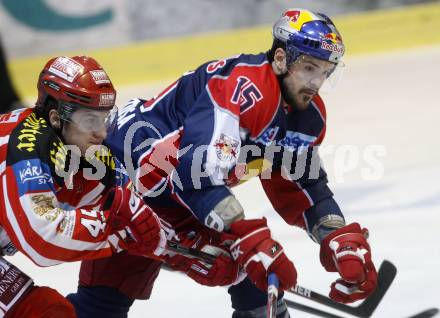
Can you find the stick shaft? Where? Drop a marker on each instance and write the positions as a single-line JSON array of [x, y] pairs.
[[272, 295]]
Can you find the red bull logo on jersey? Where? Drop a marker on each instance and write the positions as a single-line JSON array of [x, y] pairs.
[[226, 148]]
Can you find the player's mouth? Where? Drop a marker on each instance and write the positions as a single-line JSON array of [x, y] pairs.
[[309, 92], [95, 143]]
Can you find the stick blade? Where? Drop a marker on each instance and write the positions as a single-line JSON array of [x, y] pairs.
[[426, 313], [310, 310], [386, 274], [385, 277]]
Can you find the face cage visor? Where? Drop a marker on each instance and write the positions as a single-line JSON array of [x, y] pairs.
[[310, 69], [86, 119], [299, 45]]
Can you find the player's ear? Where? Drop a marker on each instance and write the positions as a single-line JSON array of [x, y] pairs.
[[54, 119], [280, 61]]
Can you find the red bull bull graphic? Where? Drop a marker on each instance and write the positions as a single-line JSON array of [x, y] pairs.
[[335, 38], [293, 15]]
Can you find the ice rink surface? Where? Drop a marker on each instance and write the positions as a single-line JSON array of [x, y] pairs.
[[388, 101]]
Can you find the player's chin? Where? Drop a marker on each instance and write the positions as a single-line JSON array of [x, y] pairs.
[[94, 146], [303, 101]]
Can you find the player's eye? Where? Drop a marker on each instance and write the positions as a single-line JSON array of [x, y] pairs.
[[90, 120], [309, 68]]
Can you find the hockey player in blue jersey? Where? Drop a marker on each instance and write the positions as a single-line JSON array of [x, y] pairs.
[[203, 135]]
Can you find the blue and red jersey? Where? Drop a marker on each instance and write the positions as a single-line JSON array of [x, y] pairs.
[[217, 126]]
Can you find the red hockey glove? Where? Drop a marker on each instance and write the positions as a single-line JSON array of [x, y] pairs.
[[42, 302], [129, 212], [346, 251], [260, 255], [223, 272]]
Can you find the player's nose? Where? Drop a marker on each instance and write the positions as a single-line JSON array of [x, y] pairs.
[[100, 134]]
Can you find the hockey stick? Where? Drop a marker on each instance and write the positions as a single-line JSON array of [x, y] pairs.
[[272, 280], [426, 313], [310, 310], [208, 258], [429, 313], [387, 273], [272, 295], [190, 252]]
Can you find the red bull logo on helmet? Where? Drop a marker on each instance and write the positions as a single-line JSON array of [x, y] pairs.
[[297, 17], [333, 47], [292, 15], [335, 38]]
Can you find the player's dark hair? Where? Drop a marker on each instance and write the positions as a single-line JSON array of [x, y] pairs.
[[42, 110], [275, 45]]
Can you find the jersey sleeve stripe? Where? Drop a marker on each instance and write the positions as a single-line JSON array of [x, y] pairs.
[[2, 167], [48, 231], [34, 255], [158, 98], [93, 196], [318, 110], [4, 140], [38, 245]]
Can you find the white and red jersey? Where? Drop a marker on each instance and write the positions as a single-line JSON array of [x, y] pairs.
[[47, 216], [204, 133]]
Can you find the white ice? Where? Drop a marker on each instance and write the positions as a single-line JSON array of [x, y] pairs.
[[390, 100]]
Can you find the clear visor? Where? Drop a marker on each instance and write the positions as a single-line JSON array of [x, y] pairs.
[[88, 120], [318, 75]]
